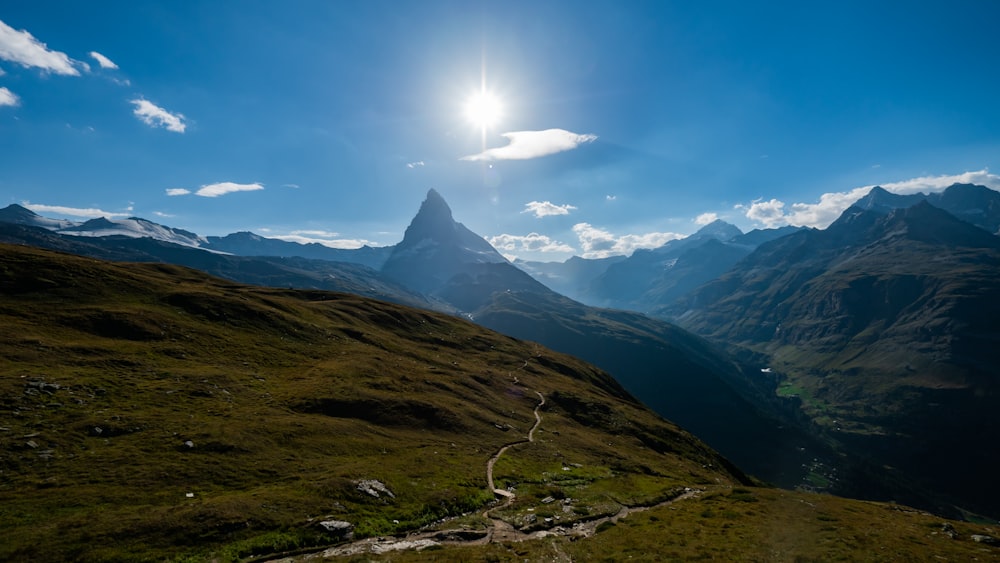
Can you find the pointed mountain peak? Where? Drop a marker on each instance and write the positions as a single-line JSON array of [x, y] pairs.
[[433, 223], [435, 247], [15, 213], [720, 229], [433, 209], [883, 201]]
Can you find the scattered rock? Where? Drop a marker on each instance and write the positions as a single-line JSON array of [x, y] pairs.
[[403, 545], [374, 488], [949, 530], [338, 528], [548, 500], [42, 386], [982, 538], [188, 443], [31, 444]]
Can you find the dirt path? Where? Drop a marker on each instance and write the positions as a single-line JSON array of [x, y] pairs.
[[500, 531]]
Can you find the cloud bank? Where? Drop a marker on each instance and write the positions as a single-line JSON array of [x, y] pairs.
[[546, 208], [102, 60], [773, 213], [599, 243], [532, 242], [326, 238], [8, 98], [86, 212], [524, 145], [155, 116], [22, 48]]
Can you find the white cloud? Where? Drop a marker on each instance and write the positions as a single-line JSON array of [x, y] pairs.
[[326, 238], [88, 212], [832, 205], [22, 48], [532, 242], [770, 213], [2, 72], [414, 164], [610, 197], [178, 191], [164, 215], [155, 116], [546, 208], [600, 243], [8, 98], [533, 144], [223, 188], [291, 186], [102, 60], [706, 218]]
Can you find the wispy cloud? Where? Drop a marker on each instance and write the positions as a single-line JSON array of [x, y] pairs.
[[706, 218], [8, 98], [546, 208], [610, 197], [217, 189], [22, 48], [155, 116], [772, 213], [164, 215], [223, 188], [87, 212], [600, 243], [290, 186], [532, 242], [326, 238], [414, 164], [102, 60], [533, 144]]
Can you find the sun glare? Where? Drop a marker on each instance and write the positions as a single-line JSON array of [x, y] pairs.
[[483, 109]]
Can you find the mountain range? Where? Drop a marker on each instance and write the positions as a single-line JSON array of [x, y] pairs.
[[443, 266], [152, 412], [884, 327], [824, 357]]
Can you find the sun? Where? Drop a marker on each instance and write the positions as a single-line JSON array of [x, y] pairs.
[[483, 109]]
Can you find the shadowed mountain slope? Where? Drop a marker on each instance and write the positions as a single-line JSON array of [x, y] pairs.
[[885, 327], [270, 271]]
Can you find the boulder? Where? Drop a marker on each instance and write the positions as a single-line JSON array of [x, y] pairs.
[[338, 528]]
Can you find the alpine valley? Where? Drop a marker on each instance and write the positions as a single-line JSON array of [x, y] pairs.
[[170, 396]]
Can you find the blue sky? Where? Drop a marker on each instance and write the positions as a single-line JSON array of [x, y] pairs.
[[623, 124]]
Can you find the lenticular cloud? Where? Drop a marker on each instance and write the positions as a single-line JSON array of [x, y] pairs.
[[525, 145]]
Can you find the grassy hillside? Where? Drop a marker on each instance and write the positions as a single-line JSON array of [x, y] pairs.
[[152, 412], [149, 412]]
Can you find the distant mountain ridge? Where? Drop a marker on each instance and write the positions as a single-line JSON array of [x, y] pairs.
[[884, 326], [887, 287]]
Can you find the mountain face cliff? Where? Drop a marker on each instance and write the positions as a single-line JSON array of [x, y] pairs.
[[678, 374], [442, 258], [884, 326]]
